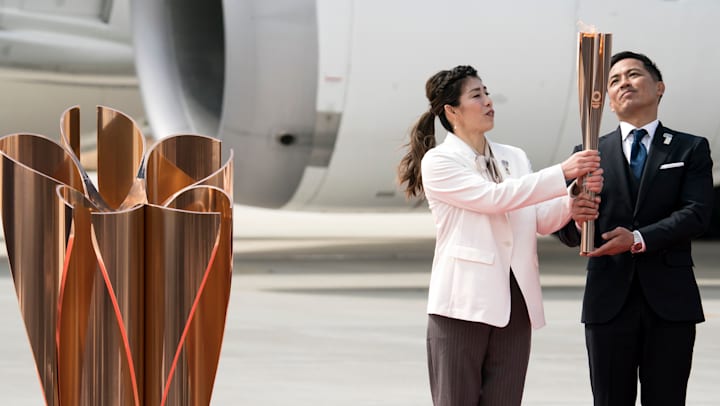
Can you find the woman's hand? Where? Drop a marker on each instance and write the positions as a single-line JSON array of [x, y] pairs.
[[581, 163]]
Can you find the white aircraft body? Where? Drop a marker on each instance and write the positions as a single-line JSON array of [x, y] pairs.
[[316, 97]]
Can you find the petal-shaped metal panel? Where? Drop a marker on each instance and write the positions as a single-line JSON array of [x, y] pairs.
[[121, 148], [202, 339], [119, 318], [173, 164], [76, 296], [36, 233], [181, 245], [70, 130]]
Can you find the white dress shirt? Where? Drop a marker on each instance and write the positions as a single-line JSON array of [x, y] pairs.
[[625, 129]]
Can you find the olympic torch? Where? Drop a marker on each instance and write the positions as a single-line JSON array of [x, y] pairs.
[[594, 50]]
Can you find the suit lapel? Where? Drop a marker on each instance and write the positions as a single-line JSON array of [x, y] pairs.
[[616, 167], [503, 161], [658, 154]]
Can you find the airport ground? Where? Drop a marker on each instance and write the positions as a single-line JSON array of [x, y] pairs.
[[330, 310]]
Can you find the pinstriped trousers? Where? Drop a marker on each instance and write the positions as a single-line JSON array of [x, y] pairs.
[[476, 364]]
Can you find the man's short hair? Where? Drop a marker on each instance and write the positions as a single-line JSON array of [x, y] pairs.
[[647, 62]]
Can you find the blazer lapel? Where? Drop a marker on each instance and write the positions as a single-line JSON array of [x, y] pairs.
[[658, 154], [616, 167], [503, 161]]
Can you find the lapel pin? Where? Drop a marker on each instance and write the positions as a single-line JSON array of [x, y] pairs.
[[506, 165], [668, 138]]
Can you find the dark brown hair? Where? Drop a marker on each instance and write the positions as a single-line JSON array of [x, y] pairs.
[[444, 87]]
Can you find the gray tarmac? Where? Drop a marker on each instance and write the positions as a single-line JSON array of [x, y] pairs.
[[319, 317]]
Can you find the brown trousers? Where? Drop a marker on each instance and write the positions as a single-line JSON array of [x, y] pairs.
[[475, 364]]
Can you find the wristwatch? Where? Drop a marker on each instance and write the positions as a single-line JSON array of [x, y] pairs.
[[637, 243]]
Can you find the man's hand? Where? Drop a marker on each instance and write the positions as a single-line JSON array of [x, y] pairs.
[[584, 208], [617, 241], [593, 181]]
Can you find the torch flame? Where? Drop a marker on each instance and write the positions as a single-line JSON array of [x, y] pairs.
[[586, 28]]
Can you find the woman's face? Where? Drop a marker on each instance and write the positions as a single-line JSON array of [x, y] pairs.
[[475, 113]]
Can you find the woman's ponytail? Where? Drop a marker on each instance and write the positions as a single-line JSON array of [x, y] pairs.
[[422, 139]]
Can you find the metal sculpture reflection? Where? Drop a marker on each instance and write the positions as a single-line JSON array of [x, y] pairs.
[[123, 287]]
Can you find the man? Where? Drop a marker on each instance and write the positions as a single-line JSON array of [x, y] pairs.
[[641, 299]]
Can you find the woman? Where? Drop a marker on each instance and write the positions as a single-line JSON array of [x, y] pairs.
[[488, 206]]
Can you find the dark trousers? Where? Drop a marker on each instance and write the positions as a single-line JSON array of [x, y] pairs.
[[475, 364], [638, 343]]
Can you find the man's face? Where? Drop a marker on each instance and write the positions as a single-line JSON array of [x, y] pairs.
[[632, 91]]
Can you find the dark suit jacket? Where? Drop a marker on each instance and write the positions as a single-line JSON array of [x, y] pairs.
[[669, 208]]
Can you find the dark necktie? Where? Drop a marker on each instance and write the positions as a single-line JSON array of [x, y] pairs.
[[638, 153]]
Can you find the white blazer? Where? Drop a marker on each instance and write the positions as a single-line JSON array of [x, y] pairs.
[[485, 228]]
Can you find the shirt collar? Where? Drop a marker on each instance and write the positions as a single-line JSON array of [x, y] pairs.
[[650, 127]]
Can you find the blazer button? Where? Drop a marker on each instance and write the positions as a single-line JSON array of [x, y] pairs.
[[636, 224]]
